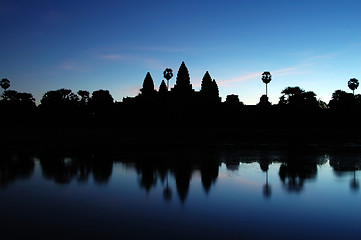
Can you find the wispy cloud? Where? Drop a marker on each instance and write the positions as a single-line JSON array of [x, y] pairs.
[[238, 79], [130, 91], [67, 66], [113, 57], [154, 48], [316, 58], [256, 75], [72, 66], [134, 59], [286, 72], [161, 49]]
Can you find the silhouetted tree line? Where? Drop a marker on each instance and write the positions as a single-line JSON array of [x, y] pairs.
[[181, 107]]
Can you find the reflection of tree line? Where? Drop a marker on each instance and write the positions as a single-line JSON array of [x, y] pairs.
[[294, 170], [14, 166], [63, 170], [342, 164], [57, 167]]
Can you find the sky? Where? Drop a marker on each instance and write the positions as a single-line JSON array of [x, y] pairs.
[[91, 45]]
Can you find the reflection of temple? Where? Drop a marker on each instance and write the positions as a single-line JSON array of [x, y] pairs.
[[149, 174], [183, 177], [209, 174]]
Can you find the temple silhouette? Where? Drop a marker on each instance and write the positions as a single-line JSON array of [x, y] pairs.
[[181, 94]]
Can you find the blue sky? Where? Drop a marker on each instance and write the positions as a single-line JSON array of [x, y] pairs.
[[90, 45]]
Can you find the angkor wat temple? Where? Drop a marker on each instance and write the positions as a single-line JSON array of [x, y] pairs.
[[181, 93]]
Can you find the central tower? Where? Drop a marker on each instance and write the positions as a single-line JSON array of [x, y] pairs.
[[183, 84]]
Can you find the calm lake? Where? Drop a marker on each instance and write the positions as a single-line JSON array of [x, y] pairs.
[[256, 193]]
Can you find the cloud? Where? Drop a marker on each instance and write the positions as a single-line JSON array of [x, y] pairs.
[[257, 75], [130, 91], [286, 72], [134, 59], [318, 58], [113, 57], [71, 66], [150, 48], [161, 49], [67, 66], [239, 79]]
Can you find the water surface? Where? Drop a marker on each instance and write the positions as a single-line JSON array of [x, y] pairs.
[[212, 194]]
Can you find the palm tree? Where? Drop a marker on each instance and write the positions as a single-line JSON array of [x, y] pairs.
[[266, 78], [168, 74], [353, 84], [5, 83]]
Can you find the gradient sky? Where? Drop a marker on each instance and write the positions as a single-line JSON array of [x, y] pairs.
[[91, 45]]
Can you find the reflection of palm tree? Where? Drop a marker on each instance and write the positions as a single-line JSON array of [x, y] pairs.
[[167, 192], [353, 84], [168, 74], [354, 185], [266, 78], [267, 188], [14, 166]]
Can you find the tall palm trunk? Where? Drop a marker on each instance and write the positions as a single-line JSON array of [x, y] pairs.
[[266, 91]]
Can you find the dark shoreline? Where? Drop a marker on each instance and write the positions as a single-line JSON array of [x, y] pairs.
[[177, 138]]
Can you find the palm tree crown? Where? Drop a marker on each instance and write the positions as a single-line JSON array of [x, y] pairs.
[[5, 83], [353, 84], [266, 77], [168, 74]]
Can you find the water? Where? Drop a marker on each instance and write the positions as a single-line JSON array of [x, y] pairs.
[[212, 195]]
